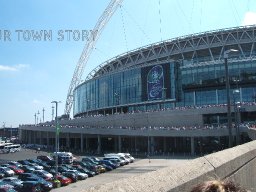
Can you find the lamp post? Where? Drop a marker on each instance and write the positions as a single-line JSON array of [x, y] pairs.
[[56, 136], [52, 112], [38, 116], [43, 114], [230, 139], [35, 118]]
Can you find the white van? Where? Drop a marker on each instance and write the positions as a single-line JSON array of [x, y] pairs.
[[128, 156]]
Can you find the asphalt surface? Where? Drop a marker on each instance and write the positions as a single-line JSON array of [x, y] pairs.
[[140, 166]]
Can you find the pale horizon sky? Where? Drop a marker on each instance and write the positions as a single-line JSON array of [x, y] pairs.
[[33, 73]]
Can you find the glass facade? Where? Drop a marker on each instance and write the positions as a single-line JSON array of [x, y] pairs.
[[187, 86], [205, 85], [127, 88]]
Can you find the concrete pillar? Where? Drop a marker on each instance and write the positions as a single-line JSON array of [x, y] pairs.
[[116, 144], [30, 137], [164, 144], [148, 145], [68, 141], [99, 145], [192, 142], [82, 143], [47, 139], [86, 144], [20, 134], [40, 138], [152, 145], [119, 144]]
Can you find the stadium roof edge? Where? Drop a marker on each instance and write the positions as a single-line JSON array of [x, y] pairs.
[[134, 51]]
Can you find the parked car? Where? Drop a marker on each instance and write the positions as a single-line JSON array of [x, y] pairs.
[[84, 170], [44, 174], [15, 182], [15, 163], [7, 171], [64, 180], [28, 169], [16, 170], [88, 166], [108, 163], [45, 185], [71, 175], [23, 176], [80, 175], [31, 186], [49, 160], [2, 175], [6, 187]]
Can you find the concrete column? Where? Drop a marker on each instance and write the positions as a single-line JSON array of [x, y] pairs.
[[99, 145], [30, 137], [152, 145], [40, 137], [47, 139], [119, 144], [86, 144], [82, 143], [192, 143], [116, 144], [68, 141], [164, 144], [135, 144], [20, 134], [148, 145]]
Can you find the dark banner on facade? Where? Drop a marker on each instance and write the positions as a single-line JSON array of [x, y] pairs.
[[155, 82]]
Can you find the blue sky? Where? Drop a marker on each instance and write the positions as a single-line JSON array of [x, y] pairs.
[[34, 73]]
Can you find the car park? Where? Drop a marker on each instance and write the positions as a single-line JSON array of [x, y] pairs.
[[67, 173]]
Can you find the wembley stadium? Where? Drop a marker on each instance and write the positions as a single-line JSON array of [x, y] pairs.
[[166, 97]]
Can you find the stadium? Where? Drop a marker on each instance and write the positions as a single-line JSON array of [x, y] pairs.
[[166, 97]]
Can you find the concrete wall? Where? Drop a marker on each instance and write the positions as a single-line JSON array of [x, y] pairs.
[[238, 163]]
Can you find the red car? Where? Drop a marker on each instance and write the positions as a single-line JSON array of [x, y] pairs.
[[16, 170], [64, 180]]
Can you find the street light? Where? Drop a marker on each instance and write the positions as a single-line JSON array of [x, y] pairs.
[[56, 136], [230, 139], [43, 114], [35, 118], [52, 113], [38, 116]]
